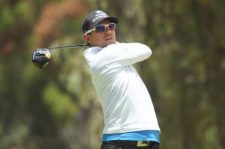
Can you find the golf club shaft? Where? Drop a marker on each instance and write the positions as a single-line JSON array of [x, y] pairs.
[[52, 49]]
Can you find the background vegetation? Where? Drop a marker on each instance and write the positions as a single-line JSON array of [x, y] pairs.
[[56, 108]]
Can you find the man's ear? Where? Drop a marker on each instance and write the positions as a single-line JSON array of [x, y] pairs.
[[86, 37]]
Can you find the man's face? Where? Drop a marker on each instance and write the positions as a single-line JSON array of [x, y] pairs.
[[101, 39]]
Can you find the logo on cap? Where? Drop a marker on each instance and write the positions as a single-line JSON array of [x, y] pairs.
[[98, 15]]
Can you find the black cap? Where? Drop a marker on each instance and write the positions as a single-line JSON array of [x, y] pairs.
[[94, 18]]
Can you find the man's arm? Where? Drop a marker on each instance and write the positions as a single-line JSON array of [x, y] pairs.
[[125, 53]]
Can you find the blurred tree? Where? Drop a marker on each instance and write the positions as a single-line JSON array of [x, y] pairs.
[[58, 106], [186, 34], [36, 105]]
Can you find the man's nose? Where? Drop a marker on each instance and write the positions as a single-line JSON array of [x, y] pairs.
[[107, 30]]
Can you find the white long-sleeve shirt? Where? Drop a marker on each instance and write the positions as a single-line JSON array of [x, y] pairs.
[[126, 103]]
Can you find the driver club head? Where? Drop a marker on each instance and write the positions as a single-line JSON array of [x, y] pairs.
[[41, 57]]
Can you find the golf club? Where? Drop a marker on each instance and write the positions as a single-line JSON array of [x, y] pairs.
[[42, 56]]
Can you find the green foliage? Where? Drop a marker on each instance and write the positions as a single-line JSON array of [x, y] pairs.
[[58, 105], [8, 18], [23, 11]]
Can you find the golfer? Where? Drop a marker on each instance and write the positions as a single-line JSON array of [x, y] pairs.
[[130, 120]]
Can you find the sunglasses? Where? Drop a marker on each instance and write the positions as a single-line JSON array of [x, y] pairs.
[[102, 28]]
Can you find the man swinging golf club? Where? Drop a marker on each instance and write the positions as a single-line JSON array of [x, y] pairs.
[[130, 121]]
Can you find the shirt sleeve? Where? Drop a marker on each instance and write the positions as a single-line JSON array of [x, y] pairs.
[[123, 54]]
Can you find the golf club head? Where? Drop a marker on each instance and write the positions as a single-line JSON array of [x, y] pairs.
[[41, 57]]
